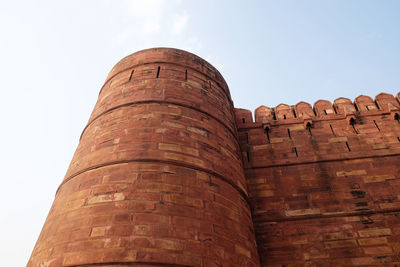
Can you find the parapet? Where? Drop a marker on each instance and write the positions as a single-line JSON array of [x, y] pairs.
[[321, 110]]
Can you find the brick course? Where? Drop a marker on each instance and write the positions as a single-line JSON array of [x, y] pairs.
[[323, 181], [169, 173]]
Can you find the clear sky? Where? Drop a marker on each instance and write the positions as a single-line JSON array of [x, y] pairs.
[[55, 55]]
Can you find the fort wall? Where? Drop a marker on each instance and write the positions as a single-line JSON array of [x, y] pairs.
[[324, 181], [169, 173]]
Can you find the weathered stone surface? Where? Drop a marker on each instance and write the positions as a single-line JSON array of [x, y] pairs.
[[168, 172], [326, 194], [157, 177]]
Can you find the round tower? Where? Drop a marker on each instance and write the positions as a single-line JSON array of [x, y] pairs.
[[157, 178]]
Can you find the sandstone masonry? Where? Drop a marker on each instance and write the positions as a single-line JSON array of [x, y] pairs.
[[169, 173]]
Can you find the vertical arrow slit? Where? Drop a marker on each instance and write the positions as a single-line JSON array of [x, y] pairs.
[[330, 125], [130, 77], [158, 72], [377, 125], [267, 133], [348, 147]]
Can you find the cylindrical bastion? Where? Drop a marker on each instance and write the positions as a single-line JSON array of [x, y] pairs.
[[157, 178]]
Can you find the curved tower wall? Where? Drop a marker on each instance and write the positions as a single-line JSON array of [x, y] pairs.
[[157, 177]]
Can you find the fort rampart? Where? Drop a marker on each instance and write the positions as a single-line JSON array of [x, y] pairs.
[[169, 173], [324, 181]]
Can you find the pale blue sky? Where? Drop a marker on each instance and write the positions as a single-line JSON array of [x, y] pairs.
[[55, 55]]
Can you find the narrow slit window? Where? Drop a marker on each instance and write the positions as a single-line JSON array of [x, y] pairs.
[[294, 113], [288, 132], [334, 109], [274, 116], [243, 120], [309, 128], [267, 134], [248, 156], [185, 75], [376, 124], [353, 124], [284, 117], [330, 125], [295, 151], [354, 128], [348, 147], [130, 76], [158, 72]]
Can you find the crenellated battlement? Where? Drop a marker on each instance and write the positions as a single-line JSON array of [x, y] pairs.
[[321, 110], [326, 131]]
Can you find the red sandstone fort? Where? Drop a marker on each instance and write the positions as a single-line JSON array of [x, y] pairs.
[[169, 173]]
